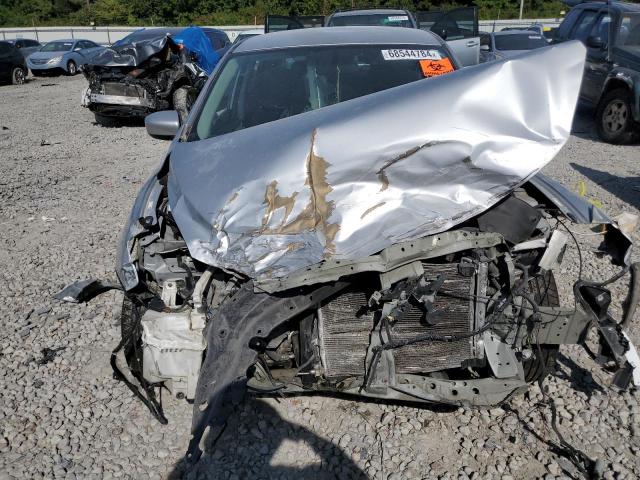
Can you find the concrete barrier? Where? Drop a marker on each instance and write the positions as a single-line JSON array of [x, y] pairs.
[[108, 35]]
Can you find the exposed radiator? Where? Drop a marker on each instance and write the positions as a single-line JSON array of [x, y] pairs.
[[122, 89], [345, 327]]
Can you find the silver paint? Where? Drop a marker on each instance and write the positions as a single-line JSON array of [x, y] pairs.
[[346, 181]]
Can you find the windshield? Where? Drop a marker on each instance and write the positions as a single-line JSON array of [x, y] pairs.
[[525, 41], [629, 34], [57, 47], [243, 36], [249, 91], [371, 19]]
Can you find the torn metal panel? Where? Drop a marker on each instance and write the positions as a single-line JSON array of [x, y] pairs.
[[85, 290], [348, 180]]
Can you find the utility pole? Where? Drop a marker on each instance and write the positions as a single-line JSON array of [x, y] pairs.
[[521, 7]]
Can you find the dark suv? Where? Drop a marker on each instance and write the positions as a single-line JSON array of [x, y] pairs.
[[12, 64], [611, 82]]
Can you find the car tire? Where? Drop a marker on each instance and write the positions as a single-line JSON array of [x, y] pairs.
[[18, 75], [544, 291], [72, 68], [614, 118], [105, 121]]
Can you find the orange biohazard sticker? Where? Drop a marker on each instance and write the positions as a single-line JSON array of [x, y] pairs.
[[433, 68]]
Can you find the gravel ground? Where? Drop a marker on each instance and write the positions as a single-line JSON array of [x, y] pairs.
[[66, 186]]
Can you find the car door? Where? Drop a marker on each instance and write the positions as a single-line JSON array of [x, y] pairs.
[[458, 28], [6, 62], [596, 67], [278, 23], [580, 31]]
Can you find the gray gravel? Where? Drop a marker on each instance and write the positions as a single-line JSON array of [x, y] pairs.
[[66, 186]]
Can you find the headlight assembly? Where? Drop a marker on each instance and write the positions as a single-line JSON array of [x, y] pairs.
[[144, 206]]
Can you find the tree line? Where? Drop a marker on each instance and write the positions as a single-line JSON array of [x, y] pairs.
[[17, 13]]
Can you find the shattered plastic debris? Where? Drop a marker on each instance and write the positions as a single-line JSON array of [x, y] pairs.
[[48, 355]]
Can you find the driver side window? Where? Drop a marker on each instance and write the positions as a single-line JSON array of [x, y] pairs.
[[601, 28], [583, 25]]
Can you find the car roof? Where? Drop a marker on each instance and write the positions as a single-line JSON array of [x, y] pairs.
[[622, 6], [66, 40], [365, 11], [338, 36]]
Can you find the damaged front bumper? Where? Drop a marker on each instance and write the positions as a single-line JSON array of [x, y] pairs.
[[124, 99]]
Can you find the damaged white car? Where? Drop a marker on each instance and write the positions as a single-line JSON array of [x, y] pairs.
[[345, 210]]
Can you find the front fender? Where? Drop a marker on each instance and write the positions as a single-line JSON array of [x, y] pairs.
[[631, 78]]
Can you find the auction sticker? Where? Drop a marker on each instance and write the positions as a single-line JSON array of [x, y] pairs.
[[433, 68], [397, 18], [404, 54]]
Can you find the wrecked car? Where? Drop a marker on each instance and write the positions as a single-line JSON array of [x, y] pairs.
[[375, 229], [151, 70]]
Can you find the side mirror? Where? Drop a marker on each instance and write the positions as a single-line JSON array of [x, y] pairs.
[[484, 48], [442, 33], [595, 42], [162, 125]]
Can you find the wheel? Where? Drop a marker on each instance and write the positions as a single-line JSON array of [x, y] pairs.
[[183, 99], [18, 75], [109, 122], [614, 119], [72, 68], [544, 291]]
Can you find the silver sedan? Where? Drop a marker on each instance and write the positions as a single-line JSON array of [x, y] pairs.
[[62, 56]]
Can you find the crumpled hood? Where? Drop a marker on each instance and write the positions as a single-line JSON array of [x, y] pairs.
[[131, 54], [346, 181]]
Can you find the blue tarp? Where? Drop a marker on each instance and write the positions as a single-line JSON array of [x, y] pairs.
[[195, 40]]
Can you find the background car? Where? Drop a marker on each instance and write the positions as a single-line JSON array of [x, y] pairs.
[[611, 81], [62, 56], [457, 26], [12, 64], [372, 17], [26, 46], [218, 38], [498, 45], [149, 70]]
